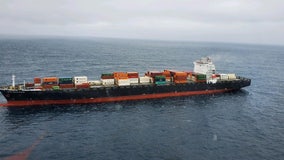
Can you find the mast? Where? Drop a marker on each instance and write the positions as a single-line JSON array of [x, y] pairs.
[[13, 80]]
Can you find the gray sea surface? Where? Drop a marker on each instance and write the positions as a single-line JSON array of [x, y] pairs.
[[248, 124]]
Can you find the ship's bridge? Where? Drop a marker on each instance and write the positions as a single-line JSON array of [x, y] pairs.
[[204, 66]]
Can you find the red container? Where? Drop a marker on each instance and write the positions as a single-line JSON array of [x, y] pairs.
[[107, 77], [29, 84], [46, 86], [37, 80], [133, 74], [66, 86], [83, 85]]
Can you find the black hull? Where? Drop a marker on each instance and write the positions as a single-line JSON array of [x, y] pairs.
[[120, 93]]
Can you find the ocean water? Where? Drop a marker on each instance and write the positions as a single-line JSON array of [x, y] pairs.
[[248, 124]]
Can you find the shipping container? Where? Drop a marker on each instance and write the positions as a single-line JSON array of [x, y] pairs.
[[80, 79], [180, 81], [66, 86], [48, 86], [29, 85], [107, 76], [134, 80], [154, 73], [160, 80], [107, 82], [132, 74], [201, 77], [232, 76], [123, 82], [49, 79], [95, 83], [180, 74], [65, 80], [144, 79], [120, 75], [37, 80], [168, 75], [37, 84], [83, 85], [55, 87], [224, 77]]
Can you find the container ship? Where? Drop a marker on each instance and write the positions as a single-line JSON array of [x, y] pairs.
[[123, 86]]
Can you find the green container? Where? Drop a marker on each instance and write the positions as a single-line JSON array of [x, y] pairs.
[[201, 77], [160, 80], [65, 80], [107, 74], [160, 83], [55, 87]]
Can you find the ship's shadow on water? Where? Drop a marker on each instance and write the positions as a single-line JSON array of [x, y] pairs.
[[123, 106]]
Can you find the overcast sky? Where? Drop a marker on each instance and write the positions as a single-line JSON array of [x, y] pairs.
[[244, 21]]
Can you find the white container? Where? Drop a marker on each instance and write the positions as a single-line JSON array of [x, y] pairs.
[[134, 80], [232, 76], [123, 82], [107, 82], [95, 83], [145, 79], [37, 84], [224, 77], [80, 79]]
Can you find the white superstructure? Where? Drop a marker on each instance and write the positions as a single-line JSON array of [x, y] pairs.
[[205, 66]]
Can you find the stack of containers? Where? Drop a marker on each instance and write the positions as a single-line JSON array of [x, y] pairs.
[[168, 75], [153, 74], [189, 75], [27, 85], [107, 79], [133, 77], [66, 82], [49, 82], [200, 77], [231, 76], [37, 81], [81, 82], [180, 77], [197, 77], [121, 78]]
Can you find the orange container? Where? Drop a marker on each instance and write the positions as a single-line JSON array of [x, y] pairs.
[[49, 79], [181, 74], [120, 75], [47, 86], [167, 74], [180, 81]]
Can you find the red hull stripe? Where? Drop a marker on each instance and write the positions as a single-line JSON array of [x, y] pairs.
[[111, 99]]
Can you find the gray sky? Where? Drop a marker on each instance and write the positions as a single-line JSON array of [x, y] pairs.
[[244, 21]]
